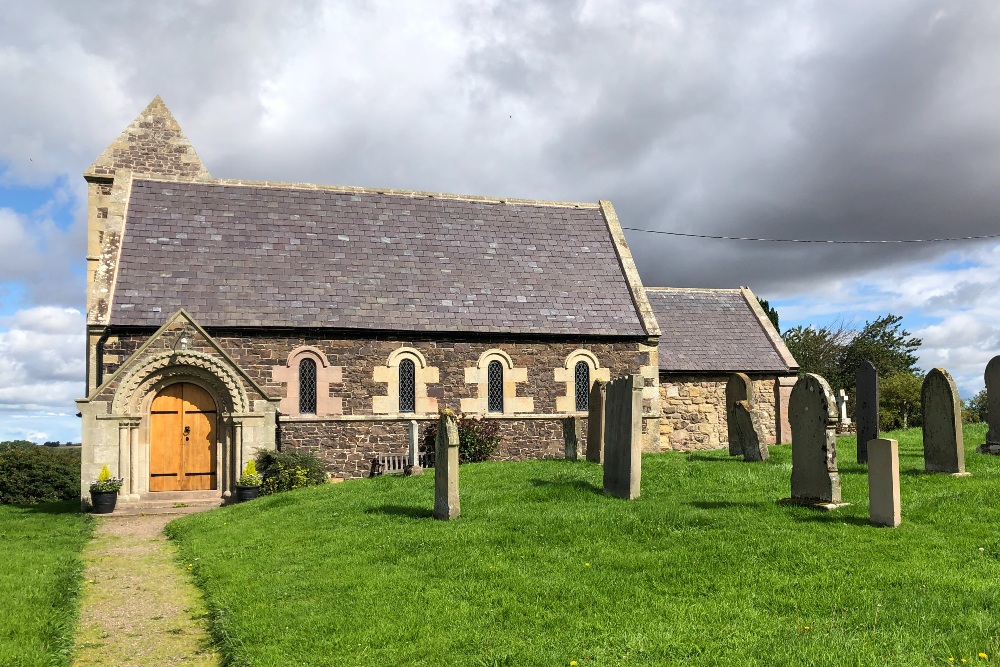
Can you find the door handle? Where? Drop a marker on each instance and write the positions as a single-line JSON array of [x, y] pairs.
[[187, 430]]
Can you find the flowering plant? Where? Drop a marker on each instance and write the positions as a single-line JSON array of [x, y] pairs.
[[105, 482], [249, 476]]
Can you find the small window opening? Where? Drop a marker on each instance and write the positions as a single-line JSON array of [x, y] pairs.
[[494, 386], [582, 386], [307, 387], [407, 386]]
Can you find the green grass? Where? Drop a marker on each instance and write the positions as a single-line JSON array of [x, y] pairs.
[[543, 569], [40, 570]]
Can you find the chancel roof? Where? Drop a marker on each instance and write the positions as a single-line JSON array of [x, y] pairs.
[[265, 255], [716, 330]]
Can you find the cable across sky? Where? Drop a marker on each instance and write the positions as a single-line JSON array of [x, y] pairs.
[[837, 241]]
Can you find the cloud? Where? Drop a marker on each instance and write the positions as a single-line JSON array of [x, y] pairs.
[[41, 361], [42, 258]]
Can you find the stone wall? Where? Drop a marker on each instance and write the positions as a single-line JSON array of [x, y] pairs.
[[694, 410]]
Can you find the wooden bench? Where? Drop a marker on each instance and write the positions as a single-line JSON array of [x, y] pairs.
[[395, 464]]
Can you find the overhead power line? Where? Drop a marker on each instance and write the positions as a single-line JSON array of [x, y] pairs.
[[751, 238]]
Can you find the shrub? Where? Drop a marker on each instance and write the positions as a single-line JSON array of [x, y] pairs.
[[31, 474], [105, 482], [249, 476], [974, 409], [284, 471], [478, 438]]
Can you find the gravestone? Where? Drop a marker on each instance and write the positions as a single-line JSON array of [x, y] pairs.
[[842, 408], [813, 415], [866, 407], [446, 506], [992, 377], [944, 449], [595, 423], [623, 437], [751, 435], [571, 437], [413, 460], [883, 482], [738, 388]]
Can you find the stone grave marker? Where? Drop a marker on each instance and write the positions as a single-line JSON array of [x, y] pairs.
[[571, 437], [944, 449], [446, 506], [623, 437], [992, 377], [751, 435], [866, 407], [595, 423], [842, 408], [413, 460], [738, 388], [883, 482], [813, 415]]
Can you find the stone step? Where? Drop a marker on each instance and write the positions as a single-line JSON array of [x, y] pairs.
[[169, 502]]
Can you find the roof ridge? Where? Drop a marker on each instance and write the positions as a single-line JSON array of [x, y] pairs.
[[734, 290]]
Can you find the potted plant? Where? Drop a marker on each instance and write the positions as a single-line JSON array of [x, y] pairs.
[[104, 492], [248, 485]]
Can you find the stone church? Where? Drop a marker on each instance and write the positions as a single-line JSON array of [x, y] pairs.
[[227, 316]]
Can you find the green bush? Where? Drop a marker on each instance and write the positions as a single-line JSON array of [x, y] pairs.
[[974, 409], [478, 438], [31, 474], [284, 471]]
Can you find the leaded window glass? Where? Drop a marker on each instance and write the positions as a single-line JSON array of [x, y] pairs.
[[307, 387], [494, 387], [407, 386], [582, 386]]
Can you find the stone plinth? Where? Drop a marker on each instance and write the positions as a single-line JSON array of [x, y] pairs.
[[413, 461], [446, 505], [623, 437], [571, 437], [883, 482]]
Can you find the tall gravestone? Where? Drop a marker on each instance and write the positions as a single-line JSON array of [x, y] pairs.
[[595, 423], [446, 506], [751, 435], [813, 415], [413, 458], [623, 437], [883, 482], [842, 408], [571, 437], [992, 377], [738, 388], [944, 449], [866, 407]]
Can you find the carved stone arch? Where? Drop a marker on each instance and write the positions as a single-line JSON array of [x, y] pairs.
[[288, 374], [401, 353], [389, 374], [141, 384], [512, 403], [567, 376]]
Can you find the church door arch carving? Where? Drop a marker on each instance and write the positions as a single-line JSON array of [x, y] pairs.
[[184, 439]]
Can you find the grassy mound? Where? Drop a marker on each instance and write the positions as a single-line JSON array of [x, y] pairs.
[[543, 569]]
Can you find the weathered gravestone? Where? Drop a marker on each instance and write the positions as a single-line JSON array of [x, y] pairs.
[[813, 416], [992, 377], [866, 407], [750, 434], [883, 482], [413, 460], [571, 437], [944, 449], [446, 504], [595, 423], [842, 408], [738, 388], [623, 437]]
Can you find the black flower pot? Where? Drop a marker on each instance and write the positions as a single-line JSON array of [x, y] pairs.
[[244, 493], [103, 501]]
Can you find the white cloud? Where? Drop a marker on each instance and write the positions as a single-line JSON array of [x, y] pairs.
[[42, 361]]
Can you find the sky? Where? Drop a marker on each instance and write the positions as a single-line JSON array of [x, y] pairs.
[[847, 120]]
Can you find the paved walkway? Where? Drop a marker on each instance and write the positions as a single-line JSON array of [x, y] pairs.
[[139, 607]]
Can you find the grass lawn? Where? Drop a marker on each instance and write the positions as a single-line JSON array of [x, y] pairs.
[[543, 569], [40, 570]]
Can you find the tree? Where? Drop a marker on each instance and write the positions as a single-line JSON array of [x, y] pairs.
[[884, 343], [818, 350], [899, 401], [974, 409], [772, 314]]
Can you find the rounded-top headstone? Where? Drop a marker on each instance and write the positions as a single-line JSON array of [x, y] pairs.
[[992, 377], [738, 388], [944, 449], [812, 412]]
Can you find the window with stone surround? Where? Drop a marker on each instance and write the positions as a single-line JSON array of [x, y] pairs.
[[406, 375], [578, 375], [496, 379], [307, 376]]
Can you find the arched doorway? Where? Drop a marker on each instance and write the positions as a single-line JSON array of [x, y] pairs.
[[182, 445]]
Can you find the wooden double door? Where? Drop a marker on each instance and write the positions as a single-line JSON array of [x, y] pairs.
[[182, 444]]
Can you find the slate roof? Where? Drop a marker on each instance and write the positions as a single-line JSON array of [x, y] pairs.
[[707, 330], [279, 256]]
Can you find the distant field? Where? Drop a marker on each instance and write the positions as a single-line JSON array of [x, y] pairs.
[[543, 569], [39, 580]]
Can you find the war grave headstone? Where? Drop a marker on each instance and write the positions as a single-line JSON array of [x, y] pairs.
[[944, 448], [813, 415], [738, 388], [595, 423], [866, 407], [623, 437], [446, 505], [413, 460], [749, 431], [992, 377], [883, 482], [571, 437]]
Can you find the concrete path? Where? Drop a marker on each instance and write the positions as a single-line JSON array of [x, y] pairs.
[[139, 608]]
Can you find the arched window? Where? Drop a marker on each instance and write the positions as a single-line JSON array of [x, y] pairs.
[[307, 386], [407, 386], [494, 386], [582, 379]]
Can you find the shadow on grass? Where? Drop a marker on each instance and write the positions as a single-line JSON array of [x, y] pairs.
[[400, 510], [715, 459], [726, 504], [52, 507], [824, 516], [579, 484]]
